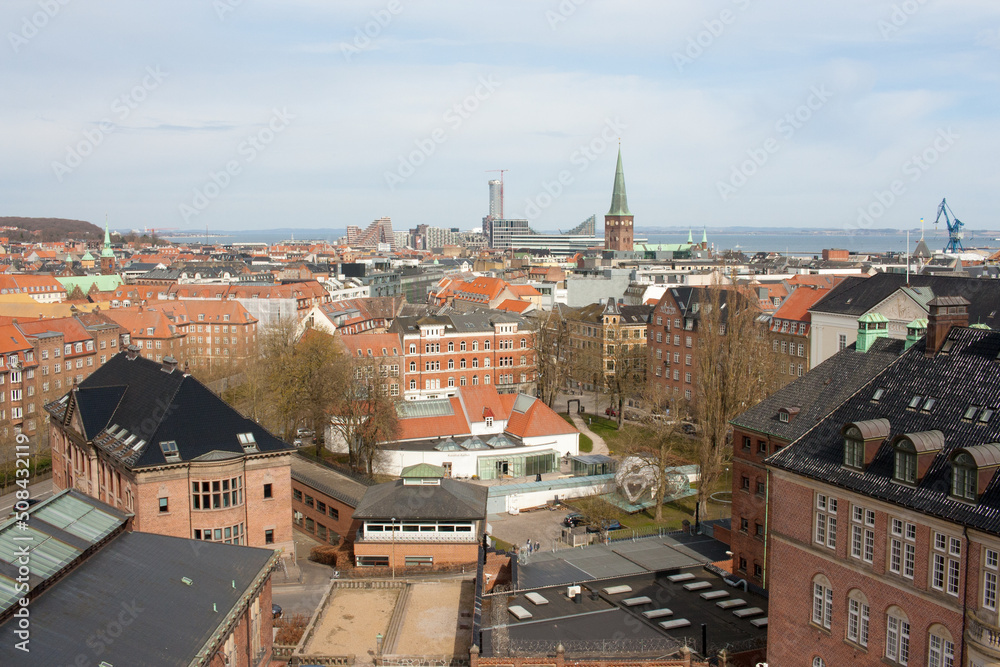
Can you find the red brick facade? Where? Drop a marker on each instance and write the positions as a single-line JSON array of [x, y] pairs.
[[321, 515], [749, 510], [443, 553], [672, 341], [841, 564]]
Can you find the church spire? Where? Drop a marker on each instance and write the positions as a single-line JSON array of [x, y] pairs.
[[619, 203], [106, 250], [704, 237]]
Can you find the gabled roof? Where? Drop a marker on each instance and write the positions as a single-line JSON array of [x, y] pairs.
[[450, 499], [796, 306], [966, 376], [129, 406], [856, 296], [820, 391]]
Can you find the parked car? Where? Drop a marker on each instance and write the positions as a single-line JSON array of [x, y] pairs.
[[611, 412], [574, 519], [689, 429], [299, 442], [304, 433], [606, 526], [275, 611]]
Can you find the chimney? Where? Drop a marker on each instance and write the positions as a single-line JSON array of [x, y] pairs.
[[945, 312], [131, 352], [169, 364]]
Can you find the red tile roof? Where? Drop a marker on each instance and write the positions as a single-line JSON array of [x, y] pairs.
[[537, 420], [415, 428], [796, 306]]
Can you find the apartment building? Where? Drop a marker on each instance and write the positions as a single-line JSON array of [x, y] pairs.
[[882, 530], [148, 439], [597, 331], [443, 353]]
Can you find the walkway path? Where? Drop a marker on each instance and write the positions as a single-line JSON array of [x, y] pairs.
[[600, 447]]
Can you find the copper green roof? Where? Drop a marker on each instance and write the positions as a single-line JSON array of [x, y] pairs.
[[422, 470], [619, 202], [106, 250]]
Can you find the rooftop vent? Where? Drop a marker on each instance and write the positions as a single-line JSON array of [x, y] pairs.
[[169, 364], [131, 352]]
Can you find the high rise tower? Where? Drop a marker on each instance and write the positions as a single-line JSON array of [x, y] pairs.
[[618, 231], [496, 194]]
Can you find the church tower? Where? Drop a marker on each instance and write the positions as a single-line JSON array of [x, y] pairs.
[[618, 231], [107, 255]]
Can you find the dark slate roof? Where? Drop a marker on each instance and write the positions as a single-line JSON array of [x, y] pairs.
[[820, 391], [856, 296], [326, 480], [157, 406], [967, 375], [137, 578], [449, 500]]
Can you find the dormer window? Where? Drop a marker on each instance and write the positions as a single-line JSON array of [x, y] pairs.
[[915, 401], [929, 403], [985, 415], [783, 417], [905, 463], [248, 442], [489, 422], [970, 412], [854, 449], [879, 393], [963, 476], [169, 449]]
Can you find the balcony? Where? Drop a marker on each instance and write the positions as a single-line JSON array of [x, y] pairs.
[[983, 635]]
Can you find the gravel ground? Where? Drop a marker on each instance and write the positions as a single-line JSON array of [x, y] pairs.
[[433, 614], [351, 621]]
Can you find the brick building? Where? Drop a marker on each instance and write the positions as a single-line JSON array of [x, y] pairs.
[[443, 353], [775, 422], [882, 519], [421, 519], [324, 500], [153, 441], [595, 333], [40, 360], [672, 338], [790, 331]]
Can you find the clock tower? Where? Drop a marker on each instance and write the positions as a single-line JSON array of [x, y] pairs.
[[618, 231]]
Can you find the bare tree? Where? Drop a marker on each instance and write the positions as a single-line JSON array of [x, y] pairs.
[[736, 369], [655, 443], [364, 414], [599, 512], [553, 357], [624, 363]]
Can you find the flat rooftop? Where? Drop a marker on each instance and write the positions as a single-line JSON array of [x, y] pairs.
[[601, 616]]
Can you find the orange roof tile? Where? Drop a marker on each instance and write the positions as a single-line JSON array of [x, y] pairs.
[[537, 420], [796, 306], [415, 428]]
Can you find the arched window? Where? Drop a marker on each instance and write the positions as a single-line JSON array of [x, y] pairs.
[[857, 617], [822, 609], [905, 462], [524, 343], [475, 379], [940, 647], [461, 346], [486, 379], [486, 344], [963, 476], [818, 662], [461, 363], [854, 448], [897, 636]]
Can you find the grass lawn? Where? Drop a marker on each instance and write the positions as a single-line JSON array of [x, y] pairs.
[[586, 444], [501, 545]]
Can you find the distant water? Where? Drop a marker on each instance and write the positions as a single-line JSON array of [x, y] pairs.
[[796, 243], [813, 244]]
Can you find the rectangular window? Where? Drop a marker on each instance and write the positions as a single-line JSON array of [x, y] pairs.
[[990, 579], [164, 505], [946, 564], [267, 491], [825, 524]]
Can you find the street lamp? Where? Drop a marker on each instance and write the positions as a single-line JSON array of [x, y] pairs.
[[393, 557]]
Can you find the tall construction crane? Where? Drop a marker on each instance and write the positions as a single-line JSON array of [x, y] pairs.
[[955, 225], [501, 188]]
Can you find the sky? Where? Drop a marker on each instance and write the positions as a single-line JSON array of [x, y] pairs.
[[259, 114]]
